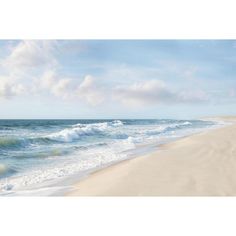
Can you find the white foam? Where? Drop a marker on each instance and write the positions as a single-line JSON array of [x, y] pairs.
[[87, 161], [70, 134], [117, 123], [79, 130], [162, 128], [186, 123], [179, 124]]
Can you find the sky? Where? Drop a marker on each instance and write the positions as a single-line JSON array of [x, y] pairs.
[[114, 79]]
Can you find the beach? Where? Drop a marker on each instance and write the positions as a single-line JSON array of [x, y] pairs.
[[45, 157], [202, 164]]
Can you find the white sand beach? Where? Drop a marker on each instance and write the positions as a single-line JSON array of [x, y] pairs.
[[203, 164]]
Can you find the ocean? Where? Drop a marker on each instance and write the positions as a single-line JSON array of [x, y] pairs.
[[40, 156]]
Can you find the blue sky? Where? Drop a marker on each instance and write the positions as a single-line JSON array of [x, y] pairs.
[[117, 78]]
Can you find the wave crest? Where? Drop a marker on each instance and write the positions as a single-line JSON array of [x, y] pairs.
[[10, 142], [80, 130], [165, 128]]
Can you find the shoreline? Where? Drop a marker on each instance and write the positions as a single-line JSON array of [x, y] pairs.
[[65, 183], [184, 167]]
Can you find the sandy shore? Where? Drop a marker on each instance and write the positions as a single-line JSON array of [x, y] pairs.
[[199, 165]]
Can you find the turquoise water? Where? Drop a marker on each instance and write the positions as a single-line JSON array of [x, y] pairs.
[[37, 151]]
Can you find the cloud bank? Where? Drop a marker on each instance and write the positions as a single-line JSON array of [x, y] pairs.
[[31, 67], [155, 92]]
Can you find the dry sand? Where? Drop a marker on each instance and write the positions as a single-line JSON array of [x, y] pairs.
[[199, 165]]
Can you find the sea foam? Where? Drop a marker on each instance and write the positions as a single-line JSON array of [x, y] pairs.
[[79, 130]]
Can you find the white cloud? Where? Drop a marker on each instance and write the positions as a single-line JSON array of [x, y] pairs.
[[55, 85], [48, 79], [29, 54], [66, 88], [155, 92], [90, 91], [8, 88], [5, 89], [62, 88], [193, 96]]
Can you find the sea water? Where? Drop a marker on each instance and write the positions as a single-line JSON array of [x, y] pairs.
[[37, 153]]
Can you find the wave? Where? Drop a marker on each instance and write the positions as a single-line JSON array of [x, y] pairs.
[[165, 128], [114, 123], [75, 132], [66, 135], [10, 142], [179, 125], [71, 134], [117, 123], [79, 130], [15, 143]]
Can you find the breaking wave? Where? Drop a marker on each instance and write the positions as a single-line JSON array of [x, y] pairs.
[[80, 130], [8, 142], [165, 128], [67, 135]]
